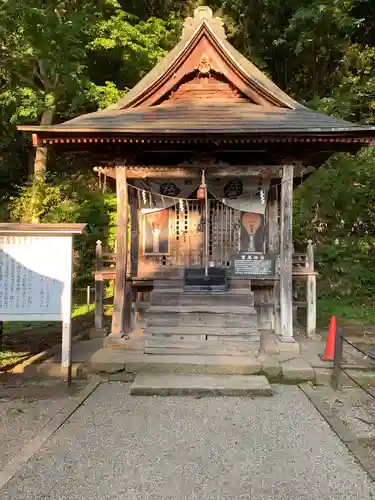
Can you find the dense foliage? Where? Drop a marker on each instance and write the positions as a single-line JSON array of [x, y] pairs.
[[60, 58]]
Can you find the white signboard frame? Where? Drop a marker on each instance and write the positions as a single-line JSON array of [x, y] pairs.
[[36, 276]]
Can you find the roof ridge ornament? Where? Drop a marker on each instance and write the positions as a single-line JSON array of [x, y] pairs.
[[202, 15]]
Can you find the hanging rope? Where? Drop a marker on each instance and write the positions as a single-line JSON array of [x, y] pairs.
[[148, 193]]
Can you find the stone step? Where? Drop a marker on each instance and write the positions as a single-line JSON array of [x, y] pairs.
[[200, 385], [194, 320], [189, 331], [112, 361]]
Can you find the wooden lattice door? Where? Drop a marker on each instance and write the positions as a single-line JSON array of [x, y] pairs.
[[224, 232], [188, 234]]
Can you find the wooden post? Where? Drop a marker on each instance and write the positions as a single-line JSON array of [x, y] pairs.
[[310, 256], [134, 253], [66, 316], [273, 223], [311, 292], [277, 321], [337, 360], [134, 248], [286, 254], [99, 288], [118, 316]]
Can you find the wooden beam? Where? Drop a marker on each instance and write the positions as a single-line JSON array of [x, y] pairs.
[[193, 171], [286, 254], [119, 312]]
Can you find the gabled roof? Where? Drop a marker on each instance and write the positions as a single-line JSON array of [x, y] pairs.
[[205, 88], [205, 25]]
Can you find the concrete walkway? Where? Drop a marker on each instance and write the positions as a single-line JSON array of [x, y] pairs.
[[120, 447]]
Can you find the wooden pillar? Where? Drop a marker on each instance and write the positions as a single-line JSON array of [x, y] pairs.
[[99, 288], [311, 292], [134, 249], [286, 254], [273, 222], [119, 312], [134, 254]]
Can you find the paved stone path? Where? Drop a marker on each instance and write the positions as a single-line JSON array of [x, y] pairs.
[[121, 447]]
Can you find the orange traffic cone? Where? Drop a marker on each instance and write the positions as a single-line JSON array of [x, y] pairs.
[[329, 352]]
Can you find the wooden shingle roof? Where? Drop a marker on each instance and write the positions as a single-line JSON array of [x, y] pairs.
[[207, 118]]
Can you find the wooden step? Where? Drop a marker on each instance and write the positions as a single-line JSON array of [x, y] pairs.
[[233, 284], [205, 347], [196, 320], [206, 350], [209, 300], [203, 330], [199, 308], [181, 291]]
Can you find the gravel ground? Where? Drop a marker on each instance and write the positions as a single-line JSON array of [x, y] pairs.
[[121, 447], [25, 408], [356, 409]]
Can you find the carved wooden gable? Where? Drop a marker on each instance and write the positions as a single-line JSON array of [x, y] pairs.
[[204, 66], [208, 87]]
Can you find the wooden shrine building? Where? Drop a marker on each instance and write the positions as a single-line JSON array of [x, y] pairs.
[[205, 152]]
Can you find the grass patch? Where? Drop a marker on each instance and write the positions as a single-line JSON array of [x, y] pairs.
[[83, 309], [10, 358], [346, 311], [45, 326], [22, 339]]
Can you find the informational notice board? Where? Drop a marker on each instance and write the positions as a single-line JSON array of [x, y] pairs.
[[35, 277], [253, 264]]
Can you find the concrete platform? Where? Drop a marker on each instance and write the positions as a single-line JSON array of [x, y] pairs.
[[116, 360], [200, 385]]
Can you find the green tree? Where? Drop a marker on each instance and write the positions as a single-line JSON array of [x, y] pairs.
[[43, 50]]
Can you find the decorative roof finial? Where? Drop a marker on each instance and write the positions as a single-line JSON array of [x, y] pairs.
[[202, 15], [204, 66]]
